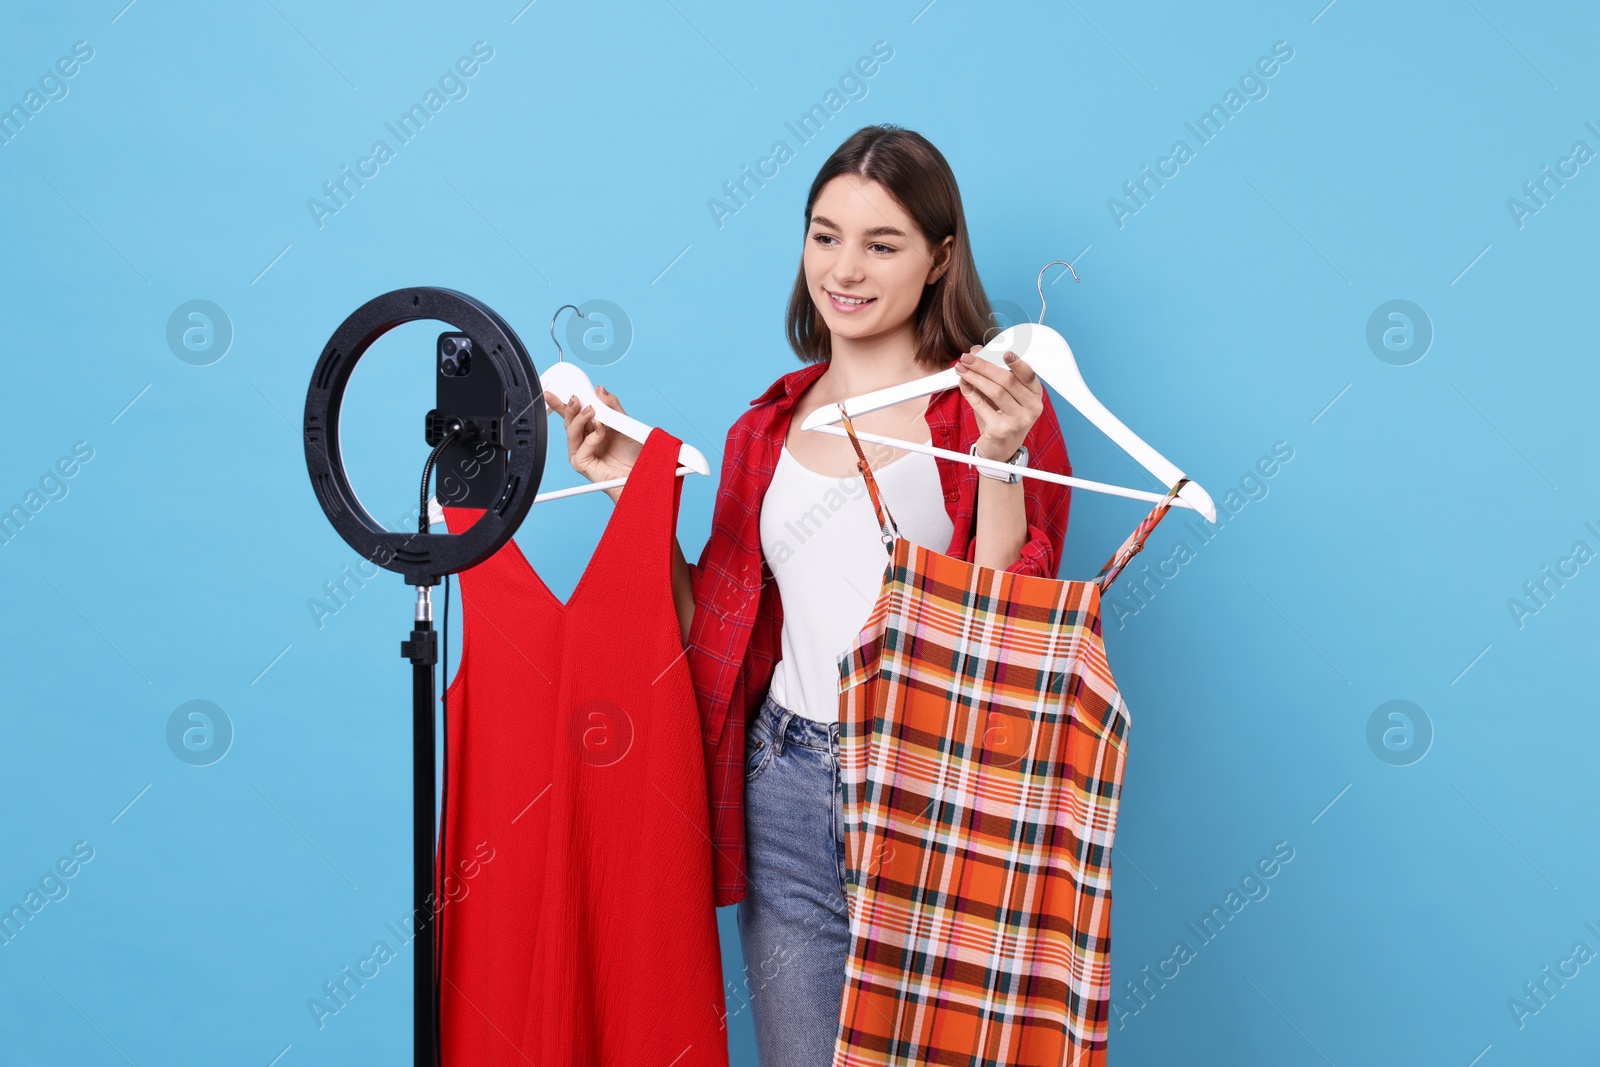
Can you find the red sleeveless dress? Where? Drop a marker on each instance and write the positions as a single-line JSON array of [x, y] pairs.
[[578, 926]]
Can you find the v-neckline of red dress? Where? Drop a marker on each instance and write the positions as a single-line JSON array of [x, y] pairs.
[[564, 609]]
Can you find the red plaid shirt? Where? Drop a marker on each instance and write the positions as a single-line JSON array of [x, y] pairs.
[[735, 638]]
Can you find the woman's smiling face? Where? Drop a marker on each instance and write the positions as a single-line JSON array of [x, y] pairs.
[[866, 262]]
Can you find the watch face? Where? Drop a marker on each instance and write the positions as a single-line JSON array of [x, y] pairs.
[[1020, 460]]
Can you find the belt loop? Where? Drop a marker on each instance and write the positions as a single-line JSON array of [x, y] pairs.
[[779, 731]]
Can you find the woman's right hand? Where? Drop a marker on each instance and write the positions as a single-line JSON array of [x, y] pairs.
[[595, 450]]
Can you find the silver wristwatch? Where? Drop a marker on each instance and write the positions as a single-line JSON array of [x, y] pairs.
[[1020, 459]]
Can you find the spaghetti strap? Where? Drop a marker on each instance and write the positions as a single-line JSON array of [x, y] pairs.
[[1135, 541], [885, 520]]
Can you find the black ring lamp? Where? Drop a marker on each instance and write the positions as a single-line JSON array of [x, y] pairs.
[[426, 558]]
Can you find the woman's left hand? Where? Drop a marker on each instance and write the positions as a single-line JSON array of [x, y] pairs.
[[1006, 400]]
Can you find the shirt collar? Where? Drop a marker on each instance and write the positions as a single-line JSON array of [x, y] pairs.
[[791, 385]]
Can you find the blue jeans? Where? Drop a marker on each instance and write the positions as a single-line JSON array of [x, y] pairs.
[[793, 929]]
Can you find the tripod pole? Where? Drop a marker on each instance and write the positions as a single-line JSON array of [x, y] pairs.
[[423, 651]]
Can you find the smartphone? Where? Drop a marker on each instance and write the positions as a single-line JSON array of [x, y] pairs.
[[470, 471]]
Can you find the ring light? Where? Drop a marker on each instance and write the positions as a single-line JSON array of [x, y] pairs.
[[424, 560]]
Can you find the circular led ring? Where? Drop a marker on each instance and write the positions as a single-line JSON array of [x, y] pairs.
[[425, 559]]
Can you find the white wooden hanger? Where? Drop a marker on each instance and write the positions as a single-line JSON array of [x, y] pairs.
[[565, 380], [1048, 353]]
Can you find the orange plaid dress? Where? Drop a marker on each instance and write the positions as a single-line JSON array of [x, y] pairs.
[[981, 749]]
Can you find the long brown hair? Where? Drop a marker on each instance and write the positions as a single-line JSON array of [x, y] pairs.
[[954, 313]]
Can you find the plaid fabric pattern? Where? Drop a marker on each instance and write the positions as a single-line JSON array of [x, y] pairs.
[[982, 747], [735, 639]]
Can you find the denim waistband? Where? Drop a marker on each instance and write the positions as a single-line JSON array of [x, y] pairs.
[[791, 727]]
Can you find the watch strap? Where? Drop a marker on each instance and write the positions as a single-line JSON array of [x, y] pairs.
[[1020, 456]]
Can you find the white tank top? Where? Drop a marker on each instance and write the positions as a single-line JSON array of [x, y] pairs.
[[821, 539]]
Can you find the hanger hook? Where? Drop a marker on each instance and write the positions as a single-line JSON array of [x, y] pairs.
[[1040, 283], [560, 354]]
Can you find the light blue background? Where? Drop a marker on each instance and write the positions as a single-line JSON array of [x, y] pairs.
[[1228, 314]]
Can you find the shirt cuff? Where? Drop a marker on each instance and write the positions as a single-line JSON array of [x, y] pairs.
[[1038, 556]]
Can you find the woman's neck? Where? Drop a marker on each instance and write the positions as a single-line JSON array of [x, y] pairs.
[[862, 365]]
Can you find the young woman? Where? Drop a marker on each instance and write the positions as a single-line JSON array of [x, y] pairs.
[[886, 292]]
